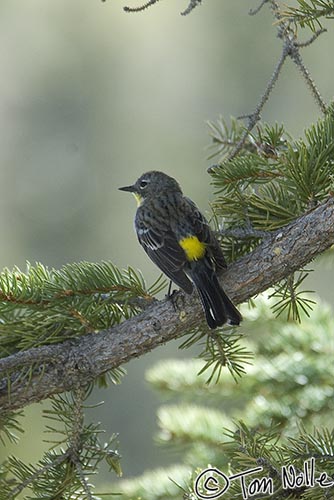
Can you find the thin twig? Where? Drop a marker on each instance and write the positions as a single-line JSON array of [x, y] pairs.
[[76, 431], [191, 6], [256, 115], [141, 8], [243, 233], [275, 8], [253, 12], [83, 481], [296, 58], [312, 39]]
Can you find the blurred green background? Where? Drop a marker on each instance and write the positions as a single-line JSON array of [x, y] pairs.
[[90, 98]]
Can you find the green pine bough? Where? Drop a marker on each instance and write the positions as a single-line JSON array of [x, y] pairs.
[[46, 306], [278, 418]]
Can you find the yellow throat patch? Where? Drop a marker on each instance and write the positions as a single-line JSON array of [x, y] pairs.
[[139, 199], [193, 248]]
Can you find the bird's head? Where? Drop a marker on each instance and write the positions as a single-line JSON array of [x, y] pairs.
[[152, 184]]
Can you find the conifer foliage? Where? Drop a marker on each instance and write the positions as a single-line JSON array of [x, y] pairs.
[[278, 415]]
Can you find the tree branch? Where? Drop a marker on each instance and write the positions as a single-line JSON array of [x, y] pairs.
[[61, 367]]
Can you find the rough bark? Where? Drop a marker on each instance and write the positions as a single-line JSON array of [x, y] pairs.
[[60, 367]]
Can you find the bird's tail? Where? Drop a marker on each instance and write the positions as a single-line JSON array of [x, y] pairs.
[[217, 306]]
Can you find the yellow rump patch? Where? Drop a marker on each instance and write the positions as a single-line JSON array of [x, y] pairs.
[[193, 248]]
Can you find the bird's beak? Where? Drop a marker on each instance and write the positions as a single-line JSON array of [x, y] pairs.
[[131, 189]]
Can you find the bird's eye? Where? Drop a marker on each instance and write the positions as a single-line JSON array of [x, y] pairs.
[[143, 184]]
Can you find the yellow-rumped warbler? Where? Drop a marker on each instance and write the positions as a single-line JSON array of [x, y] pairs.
[[179, 240]]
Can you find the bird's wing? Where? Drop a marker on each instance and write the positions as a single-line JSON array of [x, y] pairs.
[[164, 250]]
